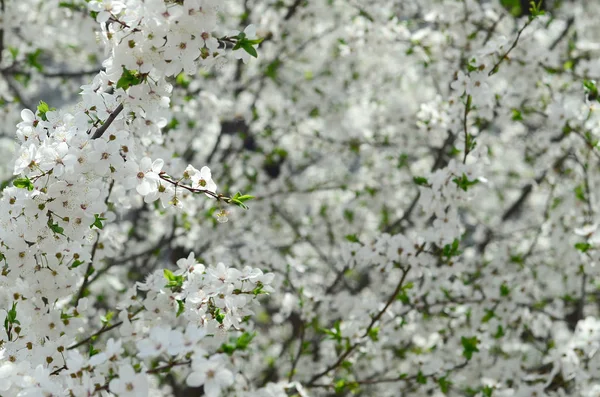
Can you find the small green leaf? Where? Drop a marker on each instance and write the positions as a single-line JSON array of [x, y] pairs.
[[421, 181], [76, 264], [580, 193], [272, 69], [489, 314], [182, 80], [469, 346], [516, 115], [352, 238], [128, 79], [32, 60], [92, 351], [444, 384], [247, 46], [42, 109], [106, 318], [23, 183], [487, 391], [98, 221], [499, 332], [55, 227], [583, 247], [374, 334], [451, 250], [180, 307], [464, 183], [169, 275], [219, 316]]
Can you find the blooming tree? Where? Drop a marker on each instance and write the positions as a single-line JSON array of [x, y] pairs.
[[403, 200]]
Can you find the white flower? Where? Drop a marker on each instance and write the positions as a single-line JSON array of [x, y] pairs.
[[129, 384], [156, 343], [25, 159], [105, 8], [211, 373], [145, 176], [112, 351], [189, 264]]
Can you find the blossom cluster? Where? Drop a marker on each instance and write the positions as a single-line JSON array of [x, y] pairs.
[[423, 212], [76, 171]]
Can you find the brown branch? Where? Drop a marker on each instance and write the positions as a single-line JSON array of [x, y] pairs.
[[374, 320], [108, 122], [292, 10], [512, 47], [563, 34], [103, 330], [168, 366]]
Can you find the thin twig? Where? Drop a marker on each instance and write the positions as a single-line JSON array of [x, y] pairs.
[[512, 47], [108, 122], [374, 320]]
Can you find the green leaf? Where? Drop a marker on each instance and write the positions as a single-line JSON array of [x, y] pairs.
[[499, 332], [128, 79], [98, 222], [219, 316], [75, 264], [339, 386], [180, 307], [421, 379], [255, 41], [245, 197], [580, 193], [374, 334], [92, 351], [516, 115], [489, 314], [469, 346], [349, 215], [513, 6], [55, 227], [42, 109], [352, 238], [421, 181], [444, 384], [182, 80], [174, 282], [70, 5], [451, 250], [12, 314], [247, 46], [169, 275], [241, 343], [23, 183], [334, 333], [106, 318], [244, 340], [272, 69], [258, 290], [464, 183], [535, 9], [14, 52], [238, 203], [583, 247], [32, 60]]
